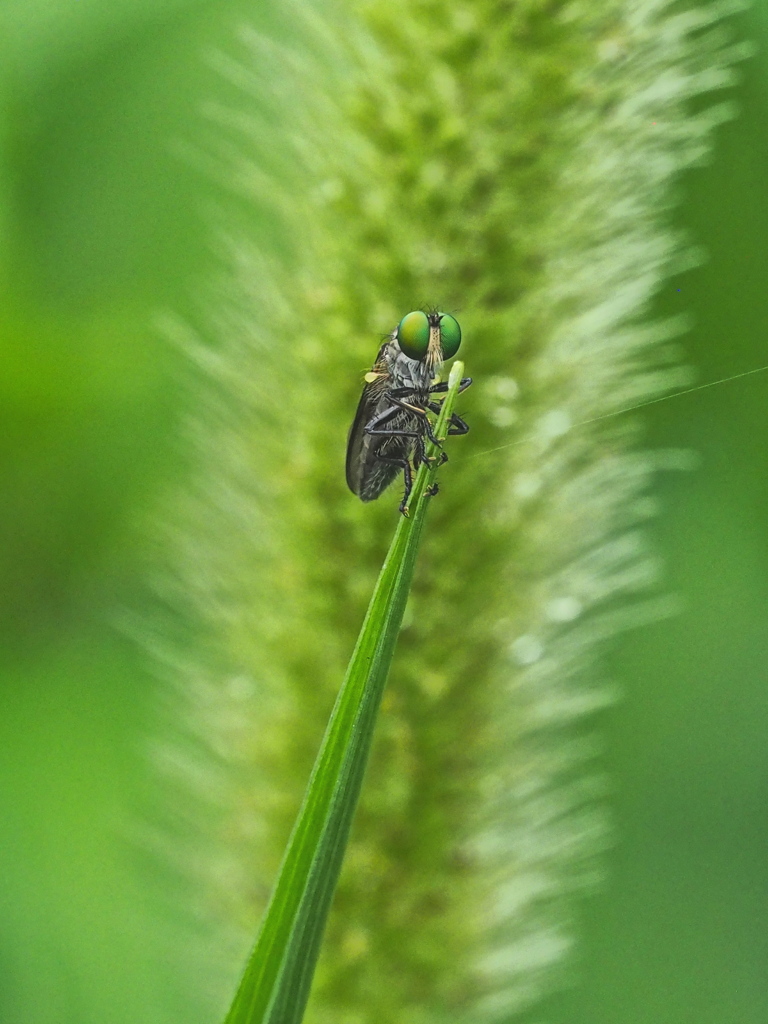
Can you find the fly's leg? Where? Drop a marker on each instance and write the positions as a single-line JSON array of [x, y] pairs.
[[441, 388], [426, 427], [409, 486], [376, 427], [405, 465], [392, 433], [441, 461], [384, 417], [420, 453], [420, 411], [456, 424], [399, 396], [430, 432]]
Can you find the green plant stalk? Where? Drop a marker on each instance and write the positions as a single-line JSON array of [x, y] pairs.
[[277, 980]]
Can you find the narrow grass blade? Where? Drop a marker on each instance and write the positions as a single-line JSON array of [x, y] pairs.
[[277, 979]]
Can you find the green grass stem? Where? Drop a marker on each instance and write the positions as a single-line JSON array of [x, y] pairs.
[[276, 983]]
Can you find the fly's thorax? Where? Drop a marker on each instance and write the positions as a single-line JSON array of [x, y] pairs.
[[409, 373]]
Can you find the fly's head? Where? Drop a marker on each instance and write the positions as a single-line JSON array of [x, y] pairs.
[[423, 341]]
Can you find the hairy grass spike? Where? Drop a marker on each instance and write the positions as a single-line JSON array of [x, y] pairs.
[[512, 162]]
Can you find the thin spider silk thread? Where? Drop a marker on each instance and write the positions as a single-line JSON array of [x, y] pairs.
[[633, 408]]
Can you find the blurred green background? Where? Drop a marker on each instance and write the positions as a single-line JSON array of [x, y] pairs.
[[104, 226]]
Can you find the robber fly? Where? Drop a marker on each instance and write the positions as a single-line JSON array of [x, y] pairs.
[[392, 420]]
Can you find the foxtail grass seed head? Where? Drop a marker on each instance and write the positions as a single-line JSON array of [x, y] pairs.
[[511, 163]]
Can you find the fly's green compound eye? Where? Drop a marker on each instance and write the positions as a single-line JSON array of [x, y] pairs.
[[450, 335], [413, 334]]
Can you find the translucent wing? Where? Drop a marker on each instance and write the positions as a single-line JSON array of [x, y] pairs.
[[367, 476]]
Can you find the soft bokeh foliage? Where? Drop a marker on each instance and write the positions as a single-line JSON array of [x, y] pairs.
[[102, 229]]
